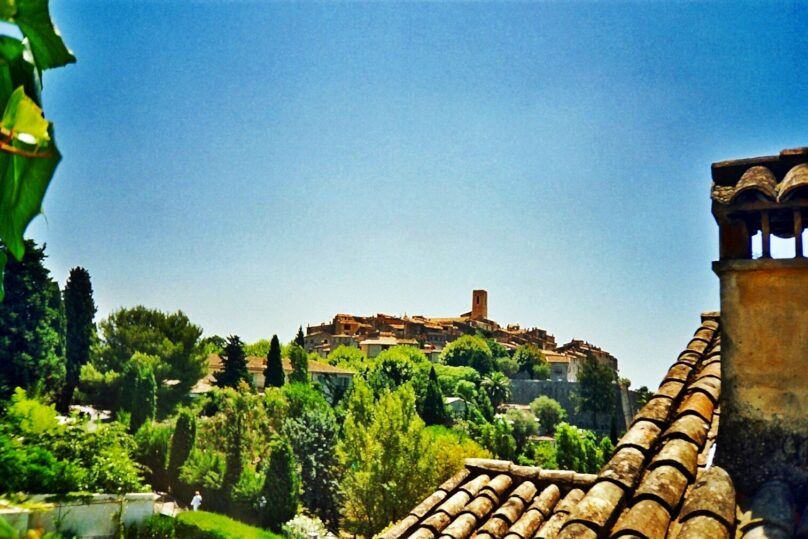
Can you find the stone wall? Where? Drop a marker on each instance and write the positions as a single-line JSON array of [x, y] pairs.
[[93, 517], [525, 391]]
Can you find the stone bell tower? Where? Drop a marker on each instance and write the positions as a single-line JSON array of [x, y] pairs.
[[764, 319], [479, 305]]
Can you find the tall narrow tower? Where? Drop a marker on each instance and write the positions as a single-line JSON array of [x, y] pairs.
[[479, 305], [764, 319]]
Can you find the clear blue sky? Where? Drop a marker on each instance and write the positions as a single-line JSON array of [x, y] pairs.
[[261, 166]]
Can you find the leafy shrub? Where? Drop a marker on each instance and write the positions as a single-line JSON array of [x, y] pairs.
[[301, 526], [154, 527], [99, 389], [39, 455], [152, 452], [205, 525], [549, 412], [204, 470]]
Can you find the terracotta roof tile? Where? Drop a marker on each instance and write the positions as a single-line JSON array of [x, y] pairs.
[[551, 528], [666, 484], [646, 518], [671, 389], [599, 507], [701, 527], [656, 410], [679, 453], [688, 427], [713, 494], [699, 404], [642, 435], [624, 468], [679, 371]]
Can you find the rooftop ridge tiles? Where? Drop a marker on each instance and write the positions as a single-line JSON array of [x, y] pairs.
[[598, 510]]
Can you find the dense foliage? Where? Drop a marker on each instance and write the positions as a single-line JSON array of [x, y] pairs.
[[40, 455], [469, 351], [388, 458], [170, 337], [549, 413], [31, 325]]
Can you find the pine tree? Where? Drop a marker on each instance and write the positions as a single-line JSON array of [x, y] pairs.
[[235, 364], [300, 365], [434, 409], [281, 486], [273, 374], [79, 313], [181, 445], [299, 339]]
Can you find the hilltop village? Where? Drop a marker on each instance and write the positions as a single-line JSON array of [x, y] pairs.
[[373, 334]]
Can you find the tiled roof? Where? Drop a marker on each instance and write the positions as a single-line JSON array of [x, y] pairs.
[[771, 178], [256, 364], [656, 485]]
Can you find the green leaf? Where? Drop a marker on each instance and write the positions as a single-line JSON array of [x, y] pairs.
[[33, 18], [3, 259], [17, 69], [24, 119], [24, 180]]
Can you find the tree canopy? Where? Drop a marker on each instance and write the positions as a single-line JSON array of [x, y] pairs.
[[529, 357], [469, 351], [595, 388], [171, 337], [31, 326]]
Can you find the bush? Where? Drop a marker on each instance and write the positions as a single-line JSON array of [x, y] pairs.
[[549, 412], [152, 452], [205, 525], [301, 526], [154, 527]]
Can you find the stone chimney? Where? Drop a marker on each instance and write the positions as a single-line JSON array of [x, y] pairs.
[[479, 305], [763, 433]]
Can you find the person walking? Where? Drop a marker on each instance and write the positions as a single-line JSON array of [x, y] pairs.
[[196, 501]]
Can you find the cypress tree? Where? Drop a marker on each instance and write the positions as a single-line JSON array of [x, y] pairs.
[[144, 403], [235, 364], [299, 340], [79, 313], [127, 401], [281, 486], [273, 374], [434, 409], [181, 445], [300, 365]]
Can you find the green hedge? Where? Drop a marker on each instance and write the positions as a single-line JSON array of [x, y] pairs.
[[205, 525]]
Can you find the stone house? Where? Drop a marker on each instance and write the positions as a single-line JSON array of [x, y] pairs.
[[721, 449]]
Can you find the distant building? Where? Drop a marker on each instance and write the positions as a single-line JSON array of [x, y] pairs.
[[424, 332], [329, 377]]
